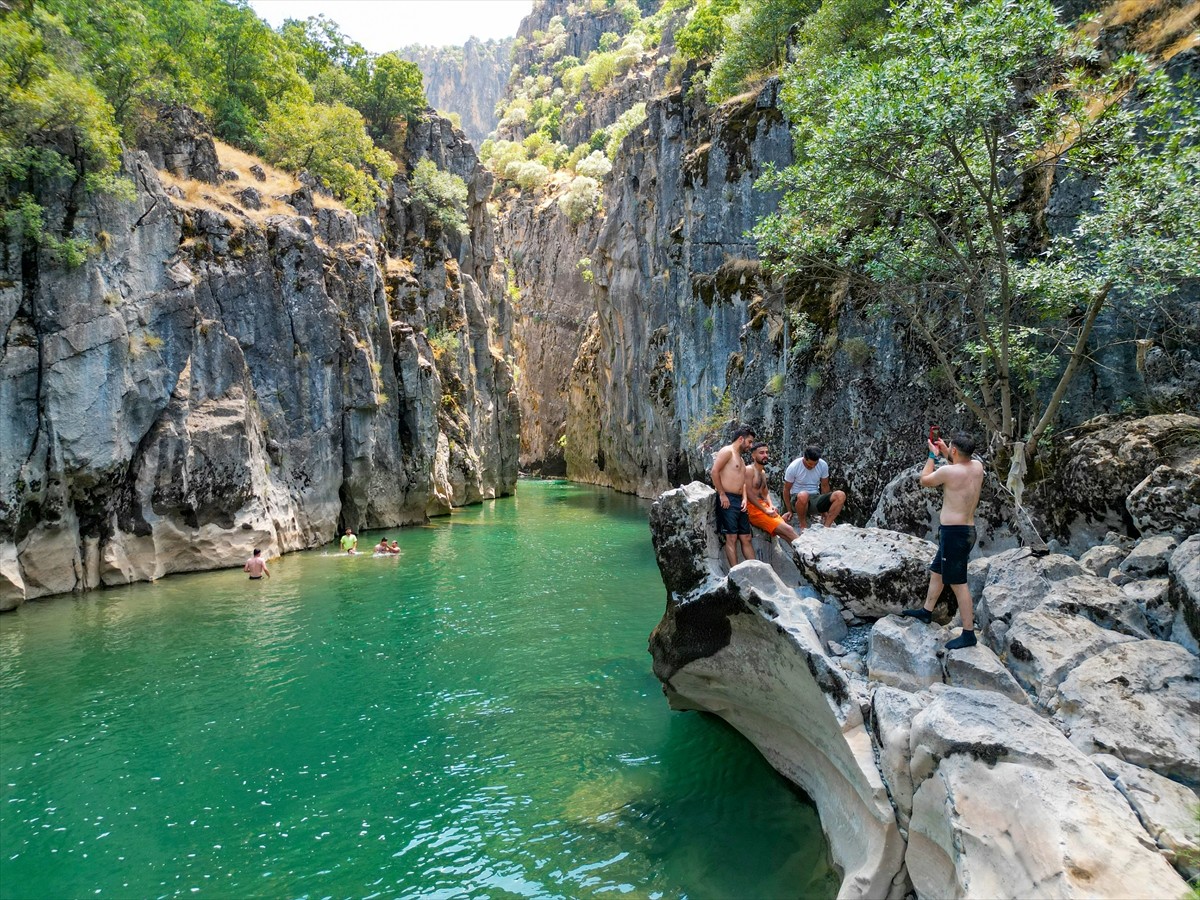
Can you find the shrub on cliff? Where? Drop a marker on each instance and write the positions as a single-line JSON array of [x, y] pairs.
[[331, 142], [442, 194], [915, 163], [582, 199]]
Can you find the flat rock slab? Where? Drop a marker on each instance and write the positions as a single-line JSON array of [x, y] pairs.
[[1139, 701], [1166, 808], [904, 653], [1043, 646], [979, 669], [872, 572], [1005, 806]]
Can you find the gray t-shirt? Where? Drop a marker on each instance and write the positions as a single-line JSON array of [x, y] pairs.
[[805, 479]]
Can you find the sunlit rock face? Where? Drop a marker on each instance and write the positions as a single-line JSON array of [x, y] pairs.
[[967, 773], [220, 376]]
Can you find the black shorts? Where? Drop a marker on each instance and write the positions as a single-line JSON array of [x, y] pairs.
[[733, 520], [817, 503], [954, 546]]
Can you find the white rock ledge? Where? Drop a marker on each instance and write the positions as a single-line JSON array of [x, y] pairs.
[[949, 782]]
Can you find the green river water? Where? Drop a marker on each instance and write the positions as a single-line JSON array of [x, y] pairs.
[[475, 718]]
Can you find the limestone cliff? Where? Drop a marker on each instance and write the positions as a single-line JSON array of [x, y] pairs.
[[676, 332], [468, 80], [243, 362]]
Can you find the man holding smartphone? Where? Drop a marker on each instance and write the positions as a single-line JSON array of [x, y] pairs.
[[961, 481]]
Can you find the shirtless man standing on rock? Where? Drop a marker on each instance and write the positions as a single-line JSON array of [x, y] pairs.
[[729, 478], [961, 481]]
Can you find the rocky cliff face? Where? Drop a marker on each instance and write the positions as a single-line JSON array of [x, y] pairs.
[[242, 362], [679, 333], [1055, 759], [468, 80]]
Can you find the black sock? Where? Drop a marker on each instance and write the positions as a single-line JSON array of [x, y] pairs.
[[922, 615], [966, 639]]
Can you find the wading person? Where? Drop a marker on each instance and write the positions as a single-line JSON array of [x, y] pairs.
[[256, 566], [806, 490], [729, 478], [350, 542], [760, 509], [960, 481]]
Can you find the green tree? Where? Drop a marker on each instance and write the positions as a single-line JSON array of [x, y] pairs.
[[705, 30], [442, 194], [58, 139], [331, 142], [915, 165], [389, 89], [755, 42]]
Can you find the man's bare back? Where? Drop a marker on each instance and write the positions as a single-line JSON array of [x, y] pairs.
[[961, 483]]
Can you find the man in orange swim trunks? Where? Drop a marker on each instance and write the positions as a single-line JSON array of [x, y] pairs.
[[762, 512]]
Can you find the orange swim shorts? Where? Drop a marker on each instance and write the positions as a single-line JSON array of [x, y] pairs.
[[760, 519]]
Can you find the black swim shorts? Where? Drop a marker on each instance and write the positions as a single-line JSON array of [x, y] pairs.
[[954, 546], [733, 520]]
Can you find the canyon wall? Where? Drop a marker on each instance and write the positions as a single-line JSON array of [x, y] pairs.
[[676, 332], [467, 80], [242, 362]]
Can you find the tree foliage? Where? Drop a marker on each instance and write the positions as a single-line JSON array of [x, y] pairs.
[[442, 194], [755, 43], [918, 164], [331, 142]]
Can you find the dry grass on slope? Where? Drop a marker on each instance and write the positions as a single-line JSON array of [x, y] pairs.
[[1160, 29], [223, 196]]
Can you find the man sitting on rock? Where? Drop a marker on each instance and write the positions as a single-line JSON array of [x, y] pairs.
[[761, 510], [729, 478], [961, 482], [806, 488]]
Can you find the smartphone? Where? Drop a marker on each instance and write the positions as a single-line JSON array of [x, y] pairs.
[[934, 433]]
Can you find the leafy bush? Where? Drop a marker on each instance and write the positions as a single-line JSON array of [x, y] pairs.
[[527, 175], [331, 142], [755, 42], [626, 122], [582, 199], [442, 194], [595, 166]]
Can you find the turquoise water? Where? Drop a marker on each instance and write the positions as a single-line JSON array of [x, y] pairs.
[[476, 718]]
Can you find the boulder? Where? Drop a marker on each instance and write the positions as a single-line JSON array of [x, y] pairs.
[[1041, 648], [741, 647], [1005, 806], [904, 653], [683, 528], [979, 669], [1018, 581], [1153, 601], [1098, 469], [1102, 559], [1166, 809], [892, 712], [1183, 578], [1098, 601], [179, 140], [870, 571], [1149, 556], [1168, 499], [1139, 701]]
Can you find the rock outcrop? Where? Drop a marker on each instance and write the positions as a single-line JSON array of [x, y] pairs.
[[1055, 759], [219, 376]]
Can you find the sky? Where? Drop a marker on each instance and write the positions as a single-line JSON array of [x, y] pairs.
[[383, 25]]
